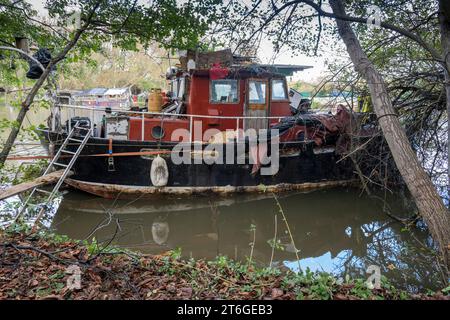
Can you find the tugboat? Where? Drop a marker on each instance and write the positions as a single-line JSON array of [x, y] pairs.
[[226, 124]]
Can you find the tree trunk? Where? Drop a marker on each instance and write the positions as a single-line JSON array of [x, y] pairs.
[[444, 22], [21, 116], [426, 197], [30, 97]]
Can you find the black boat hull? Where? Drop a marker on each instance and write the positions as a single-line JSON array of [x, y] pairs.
[[301, 166]]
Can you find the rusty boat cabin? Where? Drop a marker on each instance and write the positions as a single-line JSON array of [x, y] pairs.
[[129, 151], [220, 98]]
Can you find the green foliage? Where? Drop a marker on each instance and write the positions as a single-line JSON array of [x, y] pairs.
[[276, 244], [167, 267], [30, 171], [17, 18], [172, 24], [92, 246], [446, 291], [221, 262], [175, 253], [360, 289], [126, 24], [55, 238], [224, 276], [18, 228], [14, 174]]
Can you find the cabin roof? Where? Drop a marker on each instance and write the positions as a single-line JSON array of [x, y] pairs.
[[102, 92], [92, 92], [257, 70], [226, 58], [285, 69], [115, 91]]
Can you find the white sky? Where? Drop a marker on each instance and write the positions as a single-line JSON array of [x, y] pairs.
[[265, 54]]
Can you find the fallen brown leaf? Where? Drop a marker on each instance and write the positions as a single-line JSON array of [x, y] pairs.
[[276, 293]]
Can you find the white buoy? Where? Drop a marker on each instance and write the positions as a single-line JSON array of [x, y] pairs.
[[160, 232], [159, 173]]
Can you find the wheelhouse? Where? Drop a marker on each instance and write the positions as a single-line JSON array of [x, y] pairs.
[[242, 99]]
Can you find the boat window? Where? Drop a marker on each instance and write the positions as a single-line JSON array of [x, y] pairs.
[[257, 92], [224, 91], [278, 89]]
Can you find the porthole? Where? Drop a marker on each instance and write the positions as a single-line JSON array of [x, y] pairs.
[[157, 132]]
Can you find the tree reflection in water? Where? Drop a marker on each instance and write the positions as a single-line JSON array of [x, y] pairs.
[[402, 258]]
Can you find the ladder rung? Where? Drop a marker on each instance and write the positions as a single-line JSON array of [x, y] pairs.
[[43, 191], [40, 205], [81, 128], [54, 163], [32, 205], [67, 151], [60, 164]]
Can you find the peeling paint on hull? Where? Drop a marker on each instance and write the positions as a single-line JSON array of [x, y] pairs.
[[115, 191]]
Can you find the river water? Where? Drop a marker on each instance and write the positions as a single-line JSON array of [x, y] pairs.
[[339, 230]]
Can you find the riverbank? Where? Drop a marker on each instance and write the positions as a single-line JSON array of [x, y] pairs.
[[39, 265]]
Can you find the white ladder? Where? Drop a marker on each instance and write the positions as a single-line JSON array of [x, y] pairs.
[[51, 194]]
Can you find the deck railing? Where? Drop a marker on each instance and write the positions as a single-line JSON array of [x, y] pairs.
[[142, 114]]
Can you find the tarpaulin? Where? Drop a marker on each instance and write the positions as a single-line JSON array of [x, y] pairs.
[[217, 72], [321, 128], [43, 56]]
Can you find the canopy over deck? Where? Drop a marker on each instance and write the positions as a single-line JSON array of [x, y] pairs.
[[285, 69]]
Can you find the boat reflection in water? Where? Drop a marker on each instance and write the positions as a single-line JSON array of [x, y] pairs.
[[337, 231]]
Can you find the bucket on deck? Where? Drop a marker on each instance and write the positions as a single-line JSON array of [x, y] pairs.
[[155, 100]]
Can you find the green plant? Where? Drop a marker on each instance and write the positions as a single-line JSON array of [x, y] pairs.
[[221, 261], [276, 244], [92, 247], [446, 290], [322, 287], [360, 289], [252, 244], [175, 253]]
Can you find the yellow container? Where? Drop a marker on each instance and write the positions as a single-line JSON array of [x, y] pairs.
[[155, 100]]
